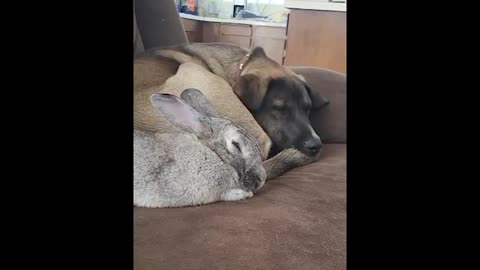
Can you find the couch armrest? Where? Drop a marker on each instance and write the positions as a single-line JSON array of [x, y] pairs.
[[330, 121], [137, 39], [159, 24]]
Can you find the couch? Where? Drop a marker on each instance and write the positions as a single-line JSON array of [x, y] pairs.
[[297, 221]]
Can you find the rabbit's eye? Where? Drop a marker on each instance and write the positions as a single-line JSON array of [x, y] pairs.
[[236, 145]]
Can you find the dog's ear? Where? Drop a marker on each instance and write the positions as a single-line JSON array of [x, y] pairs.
[[258, 52], [249, 90], [318, 101]]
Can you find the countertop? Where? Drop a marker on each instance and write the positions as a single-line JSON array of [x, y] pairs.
[[315, 5], [219, 20]]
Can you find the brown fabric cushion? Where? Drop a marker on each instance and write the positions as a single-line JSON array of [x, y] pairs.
[[295, 222], [330, 122]]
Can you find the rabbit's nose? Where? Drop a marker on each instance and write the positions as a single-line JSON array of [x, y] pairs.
[[254, 179], [260, 179], [259, 184]]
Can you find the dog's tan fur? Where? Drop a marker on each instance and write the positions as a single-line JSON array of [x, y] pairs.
[[156, 72]]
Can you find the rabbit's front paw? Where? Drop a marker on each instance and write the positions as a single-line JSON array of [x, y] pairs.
[[236, 195]]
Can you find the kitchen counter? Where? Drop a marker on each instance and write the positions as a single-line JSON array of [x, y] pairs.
[[219, 20], [315, 5]]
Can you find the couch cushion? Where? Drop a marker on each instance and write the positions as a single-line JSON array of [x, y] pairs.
[[296, 221]]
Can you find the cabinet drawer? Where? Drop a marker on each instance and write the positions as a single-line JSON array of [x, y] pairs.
[[269, 32], [235, 30]]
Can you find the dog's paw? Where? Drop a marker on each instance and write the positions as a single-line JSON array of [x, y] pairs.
[[237, 195]]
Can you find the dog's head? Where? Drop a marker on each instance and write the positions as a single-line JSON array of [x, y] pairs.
[[280, 101]]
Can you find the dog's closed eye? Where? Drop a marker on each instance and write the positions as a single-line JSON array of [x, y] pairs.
[[279, 104]]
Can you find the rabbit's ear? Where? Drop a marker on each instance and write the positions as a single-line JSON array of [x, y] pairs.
[[199, 102], [181, 115]]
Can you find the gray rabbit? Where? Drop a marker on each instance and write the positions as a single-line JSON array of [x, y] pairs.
[[211, 160]]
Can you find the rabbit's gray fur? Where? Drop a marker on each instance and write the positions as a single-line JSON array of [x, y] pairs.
[[199, 166]]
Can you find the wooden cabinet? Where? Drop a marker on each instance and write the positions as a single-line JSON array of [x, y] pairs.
[[235, 34], [271, 39], [317, 38], [193, 29], [210, 32], [312, 38]]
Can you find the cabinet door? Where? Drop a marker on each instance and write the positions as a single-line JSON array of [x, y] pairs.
[[235, 34], [210, 32], [193, 30], [274, 48], [317, 38]]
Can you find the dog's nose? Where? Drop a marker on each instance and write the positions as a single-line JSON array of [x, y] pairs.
[[313, 146]]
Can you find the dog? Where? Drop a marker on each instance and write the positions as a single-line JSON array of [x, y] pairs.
[[279, 100]]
